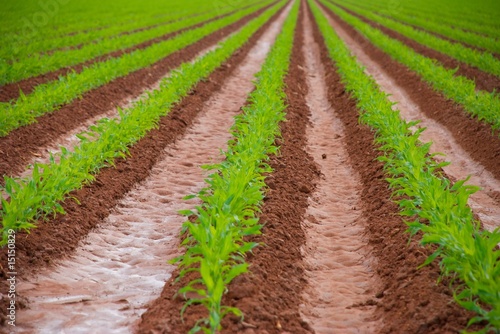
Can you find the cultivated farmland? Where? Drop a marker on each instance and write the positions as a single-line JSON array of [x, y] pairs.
[[260, 166]]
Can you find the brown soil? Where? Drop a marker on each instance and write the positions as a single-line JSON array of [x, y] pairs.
[[339, 264], [59, 237], [17, 147], [269, 296], [476, 137], [484, 81], [410, 301]]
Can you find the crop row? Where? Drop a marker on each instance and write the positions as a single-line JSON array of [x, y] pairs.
[[463, 21], [22, 49], [38, 196], [43, 63], [47, 97], [485, 106], [484, 61], [58, 18], [435, 26], [439, 208], [215, 245]]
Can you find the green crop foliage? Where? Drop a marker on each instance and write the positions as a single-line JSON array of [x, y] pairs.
[[467, 253], [484, 105], [435, 25], [459, 27], [38, 64], [215, 245], [482, 60], [40, 195], [47, 97], [18, 49]]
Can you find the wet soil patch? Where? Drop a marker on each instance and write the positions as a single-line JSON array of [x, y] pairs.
[[410, 300], [269, 295], [17, 148]]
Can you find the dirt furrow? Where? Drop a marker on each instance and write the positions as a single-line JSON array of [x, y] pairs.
[[485, 202], [475, 137], [57, 238], [18, 147], [409, 301], [484, 81], [270, 294], [341, 280]]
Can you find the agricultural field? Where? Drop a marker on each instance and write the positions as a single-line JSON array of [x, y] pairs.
[[250, 166]]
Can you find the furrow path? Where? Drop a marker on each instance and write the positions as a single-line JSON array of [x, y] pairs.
[[484, 203], [341, 281], [106, 285]]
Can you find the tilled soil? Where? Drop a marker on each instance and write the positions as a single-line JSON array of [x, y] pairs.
[[339, 266], [276, 295]]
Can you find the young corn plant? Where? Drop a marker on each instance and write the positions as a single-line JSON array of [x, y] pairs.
[[215, 243]]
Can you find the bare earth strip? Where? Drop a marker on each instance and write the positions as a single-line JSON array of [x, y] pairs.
[[483, 202], [122, 265], [341, 281]]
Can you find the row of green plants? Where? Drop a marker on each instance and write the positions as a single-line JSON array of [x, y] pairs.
[[484, 105], [39, 196], [456, 22], [55, 19], [39, 64], [438, 208], [215, 239], [49, 96], [481, 60], [436, 26], [21, 49]]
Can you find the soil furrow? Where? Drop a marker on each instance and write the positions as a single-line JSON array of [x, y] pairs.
[[122, 264], [269, 295], [18, 147], [409, 301], [341, 282], [485, 202], [474, 136], [56, 238], [484, 81]]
